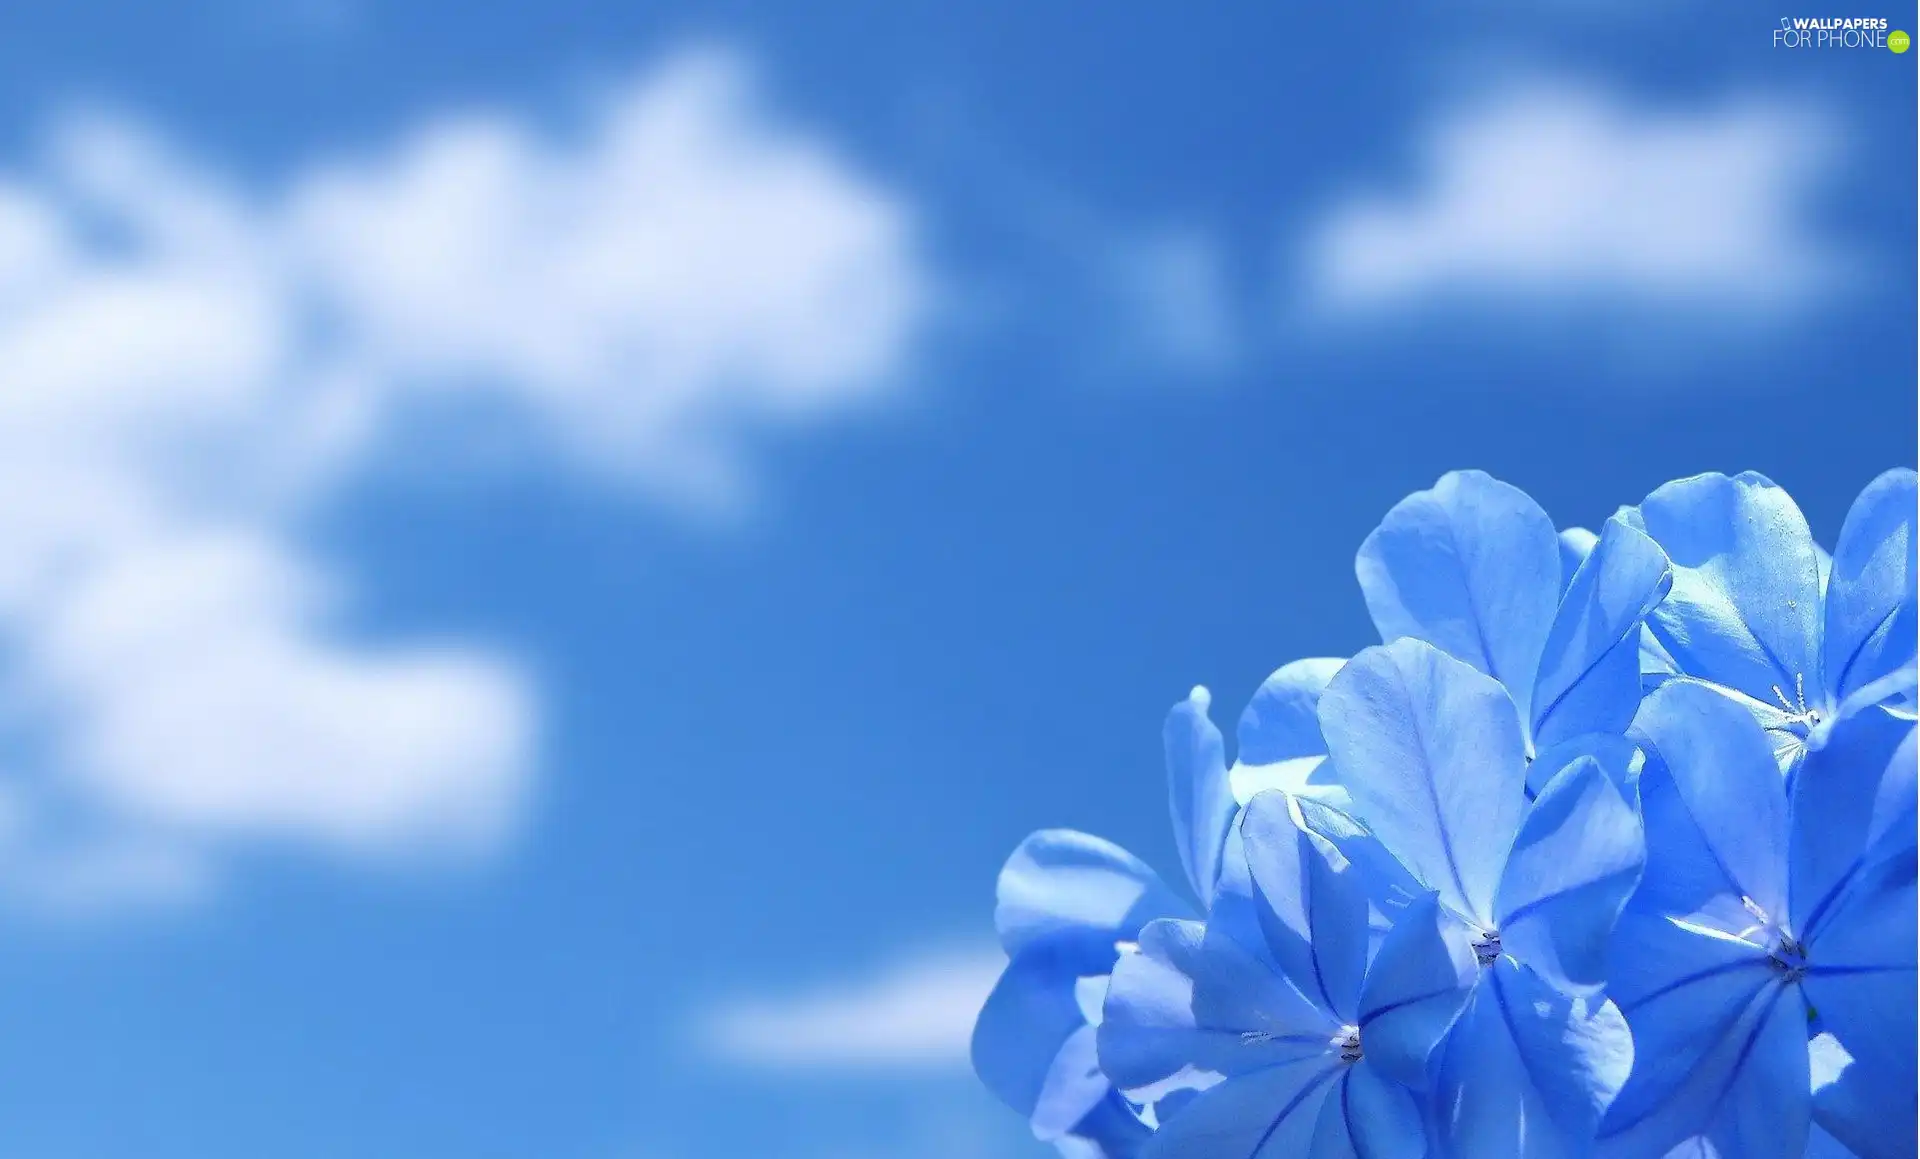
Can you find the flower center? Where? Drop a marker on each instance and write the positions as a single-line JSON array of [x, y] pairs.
[[1486, 948], [1347, 1044], [1788, 956], [1800, 717]]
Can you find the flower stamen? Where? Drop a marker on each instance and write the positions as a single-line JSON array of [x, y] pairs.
[[1762, 922], [1789, 958], [1797, 709], [1347, 1044]]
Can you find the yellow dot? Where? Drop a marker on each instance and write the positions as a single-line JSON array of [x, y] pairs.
[[1898, 41]]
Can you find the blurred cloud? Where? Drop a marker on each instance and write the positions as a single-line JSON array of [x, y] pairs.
[[1130, 295], [682, 269], [917, 1016], [1550, 191], [1175, 306], [194, 364]]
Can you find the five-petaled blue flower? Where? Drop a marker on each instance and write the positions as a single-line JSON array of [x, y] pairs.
[[1772, 914], [1434, 756], [1306, 1033], [1760, 612]]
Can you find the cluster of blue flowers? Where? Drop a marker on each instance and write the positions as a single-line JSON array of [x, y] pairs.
[[1609, 850]]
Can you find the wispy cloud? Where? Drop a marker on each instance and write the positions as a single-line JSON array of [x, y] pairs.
[[1546, 191], [194, 363], [1130, 295], [1175, 305], [916, 1016]]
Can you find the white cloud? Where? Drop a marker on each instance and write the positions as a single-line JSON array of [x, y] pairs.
[[686, 267], [194, 700], [916, 1016], [1550, 191], [193, 363]]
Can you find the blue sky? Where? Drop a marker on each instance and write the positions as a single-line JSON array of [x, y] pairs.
[[554, 551]]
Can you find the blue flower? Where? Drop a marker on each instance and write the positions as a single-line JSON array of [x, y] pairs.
[[1474, 567], [1434, 939], [1068, 904], [1772, 914], [1304, 1032], [1434, 756], [1759, 611]]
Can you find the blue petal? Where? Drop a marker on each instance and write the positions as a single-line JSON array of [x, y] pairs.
[[1310, 904], [1367, 1116], [1279, 739], [1077, 894], [1590, 670], [1852, 796], [1236, 910], [1578, 857], [1896, 692], [1745, 605], [1856, 1102], [1870, 629], [1201, 796], [1528, 1071], [1187, 1005], [1074, 1089], [1604, 701], [1269, 1114], [1747, 1094], [1433, 756], [1683, 878], [1682, 989], [1655, 660], [1473, 568], [1619, 757], [1112, 1130], [1390, 888], [1576, 543], [1726, 783], [1895, 823], [1025, 1026], [1821, 1145], [1414, 990], [1861, 982]]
